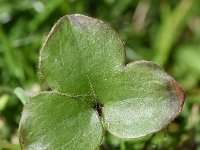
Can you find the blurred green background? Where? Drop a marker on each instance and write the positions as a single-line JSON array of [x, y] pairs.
[[164, 31]]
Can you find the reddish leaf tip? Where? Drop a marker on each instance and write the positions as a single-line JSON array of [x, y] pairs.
[[180, 93]]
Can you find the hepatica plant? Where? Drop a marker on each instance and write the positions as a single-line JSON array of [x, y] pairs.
[[82, 61]]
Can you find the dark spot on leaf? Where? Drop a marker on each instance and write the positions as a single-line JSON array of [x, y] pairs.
[[48, 89], [98, 108]]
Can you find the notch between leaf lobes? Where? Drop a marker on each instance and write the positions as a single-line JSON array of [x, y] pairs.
[[98, 107]]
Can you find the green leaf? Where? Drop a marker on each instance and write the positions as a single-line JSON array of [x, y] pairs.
[[54, 121], [82, 61], [141, 105], [79, 48], [20, 93]]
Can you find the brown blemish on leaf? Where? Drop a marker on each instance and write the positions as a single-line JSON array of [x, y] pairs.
[[22, 139], [180, 93]]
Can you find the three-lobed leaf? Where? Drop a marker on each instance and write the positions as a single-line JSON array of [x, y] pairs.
[[82, 61]]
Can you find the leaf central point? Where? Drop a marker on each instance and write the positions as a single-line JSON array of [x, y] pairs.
[[98, 108]]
